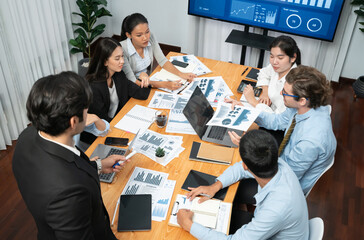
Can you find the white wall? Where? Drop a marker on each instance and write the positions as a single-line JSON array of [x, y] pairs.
[[170, 23], [354, 61]]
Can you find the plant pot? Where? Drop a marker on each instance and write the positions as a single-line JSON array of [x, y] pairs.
[[358, 87], [160, 160], [82, 69]]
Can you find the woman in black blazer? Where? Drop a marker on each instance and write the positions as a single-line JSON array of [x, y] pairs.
[[111, 89]]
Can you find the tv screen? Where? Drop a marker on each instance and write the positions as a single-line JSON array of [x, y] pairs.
[[310, 18]]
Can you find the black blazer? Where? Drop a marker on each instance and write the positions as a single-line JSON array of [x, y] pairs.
[[60, 189], [125, 89]]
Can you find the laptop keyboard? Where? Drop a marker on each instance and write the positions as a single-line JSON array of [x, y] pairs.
[[217, 132], [108, 177]]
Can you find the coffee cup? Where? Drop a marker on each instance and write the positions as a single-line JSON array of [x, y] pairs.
[[161, 118]]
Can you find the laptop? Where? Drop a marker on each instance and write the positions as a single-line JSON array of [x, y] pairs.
[[198, 112], [103, 151]]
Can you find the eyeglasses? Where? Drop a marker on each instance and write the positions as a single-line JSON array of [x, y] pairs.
[[284, 93]]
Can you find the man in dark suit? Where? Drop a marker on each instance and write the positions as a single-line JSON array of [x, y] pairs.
[[58, 182]]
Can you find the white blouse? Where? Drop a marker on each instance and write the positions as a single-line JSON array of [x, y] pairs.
[[268, 77], [114, 101]]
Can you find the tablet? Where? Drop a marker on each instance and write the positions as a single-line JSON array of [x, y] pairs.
[[196, 179], [135, 213]]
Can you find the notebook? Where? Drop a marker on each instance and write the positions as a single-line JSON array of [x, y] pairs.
[[252, 74], [212, 213], [196, 178], [198, 112], [138, 117], [135, 213], [208, 153]]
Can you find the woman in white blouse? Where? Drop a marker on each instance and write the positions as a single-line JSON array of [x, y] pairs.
[[140, 47], [284, 55]]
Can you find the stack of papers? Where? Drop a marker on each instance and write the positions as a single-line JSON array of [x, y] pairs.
[[200, 68], [214, 88], [241, 118], [194, 66], [149, 141], [145, 181]]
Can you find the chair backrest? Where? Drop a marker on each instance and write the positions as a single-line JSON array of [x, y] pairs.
[[316, 227], [328, 167]]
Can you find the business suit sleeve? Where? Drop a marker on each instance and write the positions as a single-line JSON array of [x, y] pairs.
[[137, 92], [69, 214], [101, 102]]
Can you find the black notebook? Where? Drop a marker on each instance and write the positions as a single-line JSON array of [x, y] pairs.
[[196, 179], [135, 213], [252, 74]]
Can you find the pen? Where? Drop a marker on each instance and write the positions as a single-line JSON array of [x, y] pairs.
[[116, 208], [126, 158], [244, 71], [205, 195]]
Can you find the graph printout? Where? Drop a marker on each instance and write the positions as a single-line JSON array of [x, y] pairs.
[[241, 118], [146, 181]]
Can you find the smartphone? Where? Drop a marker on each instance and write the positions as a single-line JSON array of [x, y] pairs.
[[244, 83], [179, 63], [116, 141]]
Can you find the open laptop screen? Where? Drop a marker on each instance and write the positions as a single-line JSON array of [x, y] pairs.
[[198, 111]]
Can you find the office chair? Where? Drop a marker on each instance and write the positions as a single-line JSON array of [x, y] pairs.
[[316, 227], [328, 167]]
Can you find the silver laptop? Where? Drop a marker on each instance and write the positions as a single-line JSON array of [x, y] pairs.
[[103, 151], [198, 112]]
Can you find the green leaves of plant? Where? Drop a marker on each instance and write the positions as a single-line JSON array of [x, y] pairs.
[[86, 30]]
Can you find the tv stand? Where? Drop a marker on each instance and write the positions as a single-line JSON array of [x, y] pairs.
[[245, 38]]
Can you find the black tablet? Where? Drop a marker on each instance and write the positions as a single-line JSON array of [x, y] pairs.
[[196, 179], [135, 213]]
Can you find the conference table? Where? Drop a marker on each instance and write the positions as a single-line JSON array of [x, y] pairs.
[[177, 169]]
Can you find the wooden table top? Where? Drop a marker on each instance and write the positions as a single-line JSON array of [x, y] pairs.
[[177, 169]]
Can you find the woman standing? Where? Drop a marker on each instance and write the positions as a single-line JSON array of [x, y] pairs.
[[140, 46]]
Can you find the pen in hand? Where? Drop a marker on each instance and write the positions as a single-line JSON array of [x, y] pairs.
[[126, 158]]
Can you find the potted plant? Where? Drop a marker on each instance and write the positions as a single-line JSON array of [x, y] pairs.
[[87, 31], [160, 155]]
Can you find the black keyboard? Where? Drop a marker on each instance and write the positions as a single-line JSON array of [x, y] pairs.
[[217, 132], [108, 177]]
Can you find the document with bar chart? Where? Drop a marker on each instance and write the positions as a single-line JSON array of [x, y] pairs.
[[146, 181]]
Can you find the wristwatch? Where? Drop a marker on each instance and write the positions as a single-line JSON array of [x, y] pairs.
[[99, 165]]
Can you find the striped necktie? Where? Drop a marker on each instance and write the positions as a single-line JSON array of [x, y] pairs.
[[287, 136]]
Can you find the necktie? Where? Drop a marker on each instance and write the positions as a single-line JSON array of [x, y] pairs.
[[287, 136]]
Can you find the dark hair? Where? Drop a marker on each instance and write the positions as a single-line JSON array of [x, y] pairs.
[[308, 82], [54, 99], [289, 46], [97, 70], [259, 151], [130, 22]]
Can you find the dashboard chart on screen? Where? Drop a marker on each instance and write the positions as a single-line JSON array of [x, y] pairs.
[[310, 18]]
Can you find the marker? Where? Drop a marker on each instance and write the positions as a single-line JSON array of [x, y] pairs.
[[126, 158], [244, 71]]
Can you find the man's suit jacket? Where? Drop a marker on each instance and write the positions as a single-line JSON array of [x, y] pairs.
[[60, 189]]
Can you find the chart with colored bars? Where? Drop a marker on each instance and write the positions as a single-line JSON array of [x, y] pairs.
[[254, 12], [146, 181], [327, 4]]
